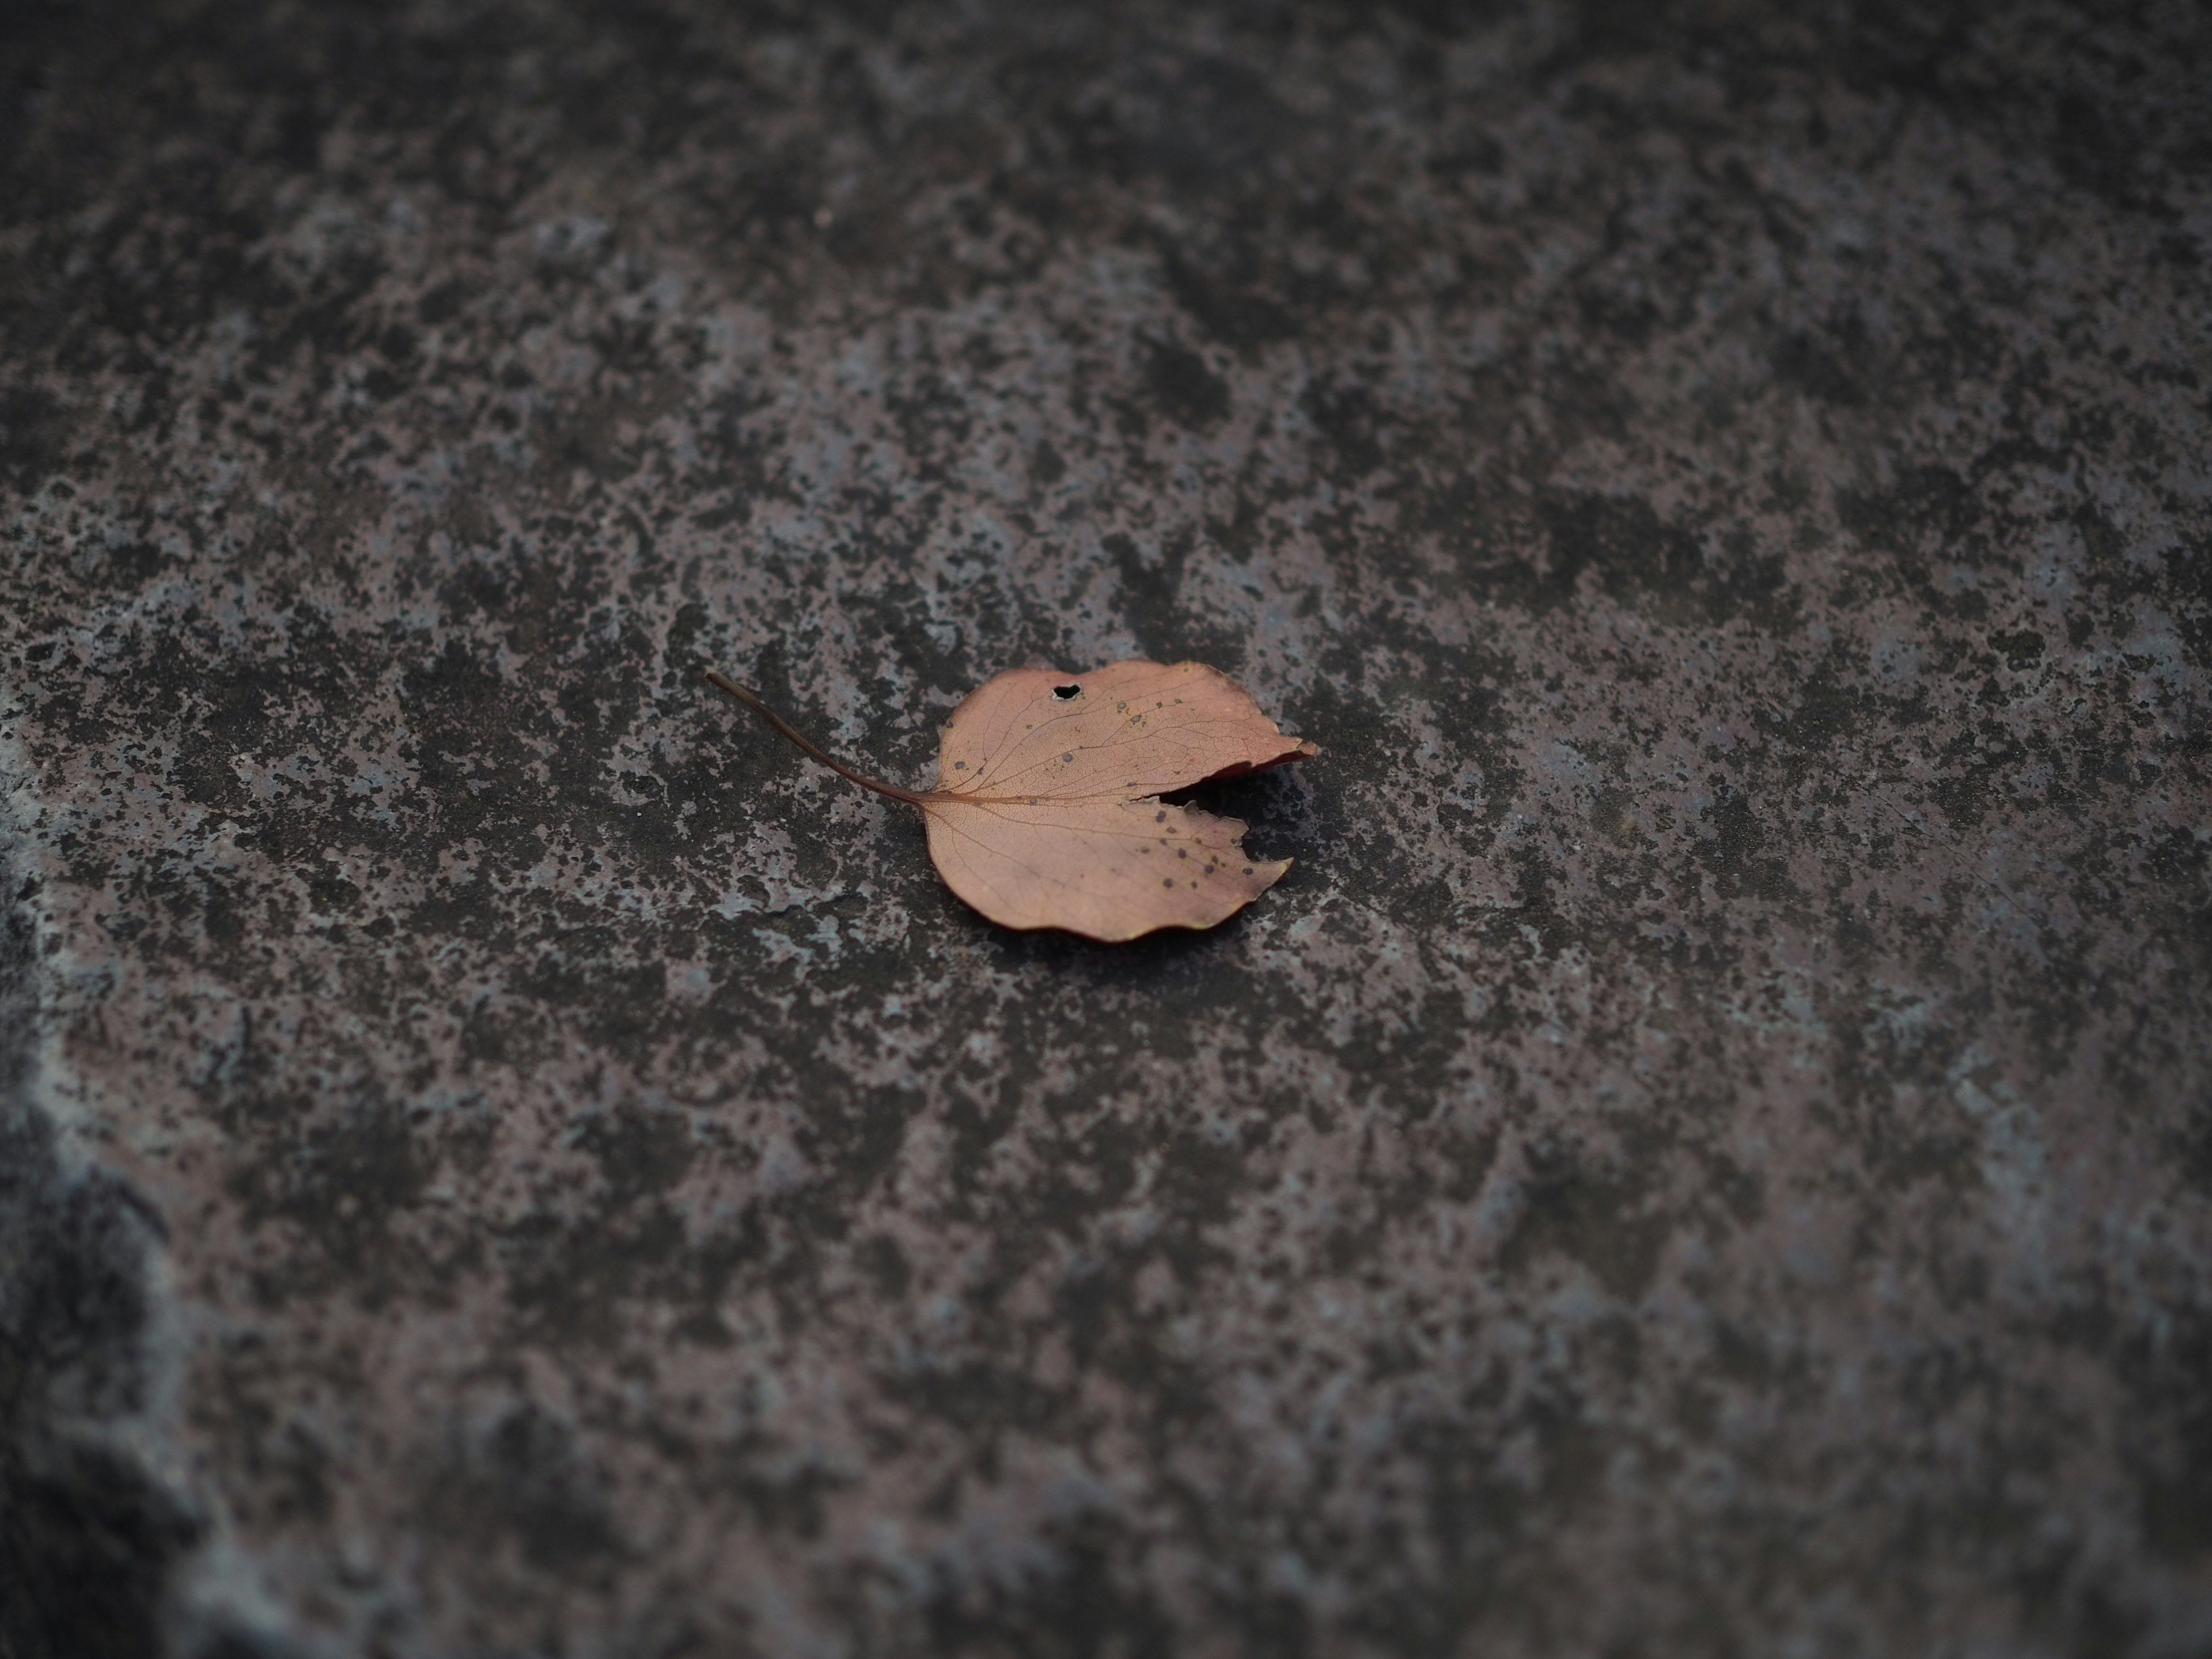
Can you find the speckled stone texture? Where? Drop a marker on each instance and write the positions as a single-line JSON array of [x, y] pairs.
[[1708, 1152]]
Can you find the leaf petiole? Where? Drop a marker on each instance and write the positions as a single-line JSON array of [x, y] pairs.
[[808, 746]]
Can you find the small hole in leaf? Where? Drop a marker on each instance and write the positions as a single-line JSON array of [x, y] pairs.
[[1064, 692]]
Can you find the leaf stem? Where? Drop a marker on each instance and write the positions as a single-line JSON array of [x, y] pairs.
[[806, 746]]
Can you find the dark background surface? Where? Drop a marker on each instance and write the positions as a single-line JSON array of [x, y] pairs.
[[1706, 1154]]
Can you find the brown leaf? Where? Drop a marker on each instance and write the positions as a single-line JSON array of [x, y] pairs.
[[1046, 812]]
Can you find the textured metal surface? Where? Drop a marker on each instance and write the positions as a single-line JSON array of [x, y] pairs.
[[1706, 1152]]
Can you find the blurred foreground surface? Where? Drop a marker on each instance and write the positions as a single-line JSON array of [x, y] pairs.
[[1707, 1152]]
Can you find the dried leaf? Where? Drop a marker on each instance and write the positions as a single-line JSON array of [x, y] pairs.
[[1047, 810]]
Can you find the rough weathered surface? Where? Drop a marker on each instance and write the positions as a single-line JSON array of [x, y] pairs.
[[1707, 1152]]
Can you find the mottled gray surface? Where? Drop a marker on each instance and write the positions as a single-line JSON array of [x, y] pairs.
[[1708, 1152]]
